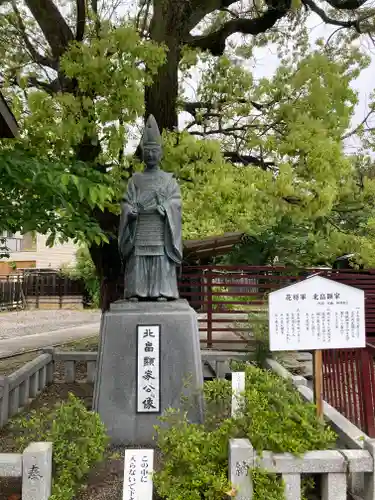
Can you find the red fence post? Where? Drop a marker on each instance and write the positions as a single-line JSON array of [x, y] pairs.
[[209, 308], [365, 379]]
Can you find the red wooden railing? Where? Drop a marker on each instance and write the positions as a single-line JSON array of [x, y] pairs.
[[349, 385], [223, 293], [226, 295]]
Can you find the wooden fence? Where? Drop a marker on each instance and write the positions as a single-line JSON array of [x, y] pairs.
[[349, 384], [11, 292], [38, 290], [227, 295]]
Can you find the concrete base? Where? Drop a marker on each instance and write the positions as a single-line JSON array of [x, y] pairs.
[[116, 381]]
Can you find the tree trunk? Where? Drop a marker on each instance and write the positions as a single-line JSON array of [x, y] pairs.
[[107, 263], [161, 96], [167, 27], [105, 257]]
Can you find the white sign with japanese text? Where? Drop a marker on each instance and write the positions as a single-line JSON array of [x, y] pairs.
[[238, 387], [138, 469], [148, 369], [316, 313]]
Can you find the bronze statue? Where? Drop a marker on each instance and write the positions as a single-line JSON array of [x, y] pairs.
[[150, 239]]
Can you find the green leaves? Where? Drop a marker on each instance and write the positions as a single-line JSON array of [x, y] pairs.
[[44, 195], [110, 76], [78, 438], [84, 270], [274, 418]]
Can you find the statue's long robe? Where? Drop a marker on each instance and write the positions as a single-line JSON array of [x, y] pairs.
[[151, 244]]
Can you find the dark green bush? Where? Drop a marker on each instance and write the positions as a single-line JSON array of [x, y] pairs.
[[274, 418], [84, 269], [79, 440]]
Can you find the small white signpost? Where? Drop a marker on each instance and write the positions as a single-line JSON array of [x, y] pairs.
[[148, 369], [238, 387], [138, 469], [315, 314]]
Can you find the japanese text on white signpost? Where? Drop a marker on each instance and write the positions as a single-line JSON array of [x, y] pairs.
[[138, 470], [317, 313]]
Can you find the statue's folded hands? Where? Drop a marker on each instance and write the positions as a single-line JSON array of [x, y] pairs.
[[161, 210], [133, 214]]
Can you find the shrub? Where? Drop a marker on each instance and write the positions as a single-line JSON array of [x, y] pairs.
[[79, 441], [84, 270], [258, 325], [274, 417]]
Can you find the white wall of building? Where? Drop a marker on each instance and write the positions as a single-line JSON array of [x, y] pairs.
[[60, 254], [43, 256]]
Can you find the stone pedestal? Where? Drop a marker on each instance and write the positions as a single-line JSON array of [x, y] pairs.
[[115, 394]]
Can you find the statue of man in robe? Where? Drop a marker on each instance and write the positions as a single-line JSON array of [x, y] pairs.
[[150, 238]]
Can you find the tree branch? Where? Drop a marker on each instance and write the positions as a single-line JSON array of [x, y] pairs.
[[94, 6], [346, 4], [50, 88], [226, 130], [53, 25], [329, 20], [356, 129], [192, 107], [215, 42], [36, 56], [81, 20], [235, 157], [197, 10]]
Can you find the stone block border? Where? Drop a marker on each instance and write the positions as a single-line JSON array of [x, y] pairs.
[[350, 436], [21, 387], [34, 466], [335, 466]]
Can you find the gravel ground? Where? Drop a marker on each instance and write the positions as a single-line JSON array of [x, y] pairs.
[[22, 323]]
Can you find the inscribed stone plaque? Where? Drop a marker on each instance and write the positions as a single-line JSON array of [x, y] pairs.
[[238, 387], [317, 313], [148, 368], [138, 469]]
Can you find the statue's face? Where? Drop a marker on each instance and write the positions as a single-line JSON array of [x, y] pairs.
[[152, 155]]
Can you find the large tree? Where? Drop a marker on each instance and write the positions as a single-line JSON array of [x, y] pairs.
[[78, 78]]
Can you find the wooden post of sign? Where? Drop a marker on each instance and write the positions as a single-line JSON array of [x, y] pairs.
[[318, 383]]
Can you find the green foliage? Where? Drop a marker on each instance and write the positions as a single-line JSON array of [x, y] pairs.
[[78, 438], [258, 325], [110, 73], [298, 196], [84, 269], [43, 186], [274, 417], [267, 485], [52, 196]]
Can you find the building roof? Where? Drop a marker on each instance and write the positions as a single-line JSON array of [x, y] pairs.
[[8, 124], [211, 246]]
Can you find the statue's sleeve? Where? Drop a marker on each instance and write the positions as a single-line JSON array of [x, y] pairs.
[[172, 206], [127, 226]]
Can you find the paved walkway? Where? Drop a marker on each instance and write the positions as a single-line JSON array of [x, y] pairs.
[[34, 329], [21, 323], [27, 330]]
